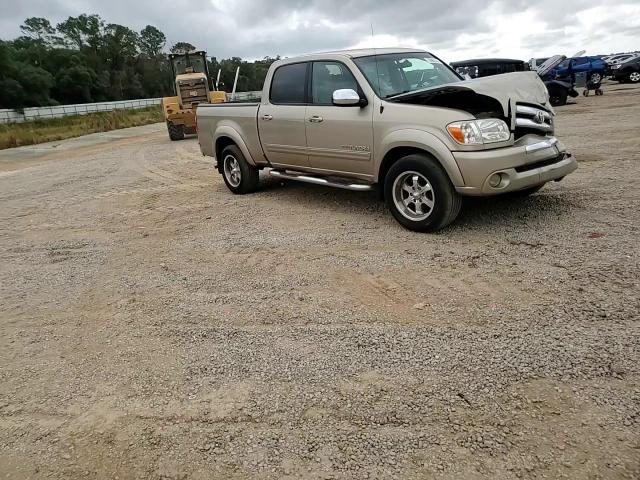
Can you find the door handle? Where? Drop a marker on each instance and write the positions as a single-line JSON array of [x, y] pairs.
[[267, 117], [316, 119]]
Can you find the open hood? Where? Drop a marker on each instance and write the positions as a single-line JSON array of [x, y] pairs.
[[479, 94], [550, 64]]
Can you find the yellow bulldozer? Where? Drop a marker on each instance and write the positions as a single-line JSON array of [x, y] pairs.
[[193, 85]]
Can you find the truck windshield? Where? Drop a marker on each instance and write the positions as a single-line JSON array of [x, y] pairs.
[[394, 74]]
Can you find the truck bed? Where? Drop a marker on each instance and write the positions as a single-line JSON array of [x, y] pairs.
[[241, 117]]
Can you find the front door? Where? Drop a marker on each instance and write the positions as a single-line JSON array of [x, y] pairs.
[[339, 138], [281, 118]]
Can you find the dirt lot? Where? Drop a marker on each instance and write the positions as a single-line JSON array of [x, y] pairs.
[[155, 326]]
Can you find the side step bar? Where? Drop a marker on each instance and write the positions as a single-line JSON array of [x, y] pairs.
[[358, 187]]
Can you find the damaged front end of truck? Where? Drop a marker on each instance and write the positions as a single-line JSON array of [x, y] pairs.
[[520, 99]]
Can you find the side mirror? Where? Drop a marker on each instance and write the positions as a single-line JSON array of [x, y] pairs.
[[346, 97]]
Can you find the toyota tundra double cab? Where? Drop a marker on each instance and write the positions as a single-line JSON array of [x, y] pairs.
[[397, 119]]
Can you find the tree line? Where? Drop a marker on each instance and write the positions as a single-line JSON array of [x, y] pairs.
[[84, 59]]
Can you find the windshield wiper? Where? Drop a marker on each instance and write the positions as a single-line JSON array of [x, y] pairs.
[[396, 94]]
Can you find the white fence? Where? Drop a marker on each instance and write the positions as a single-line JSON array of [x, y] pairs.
[[13, 116]]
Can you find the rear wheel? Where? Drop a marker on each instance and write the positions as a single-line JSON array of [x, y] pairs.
[[238, 174], [634, 77], [595, 78], [176, 132], [420, 195]]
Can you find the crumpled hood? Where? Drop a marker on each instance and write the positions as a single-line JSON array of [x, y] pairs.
[[525, 87]]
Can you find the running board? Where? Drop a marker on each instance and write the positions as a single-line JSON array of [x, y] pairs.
[[358, 187]]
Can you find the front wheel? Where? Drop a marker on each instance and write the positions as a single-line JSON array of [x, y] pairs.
[[634, 77], [238, 174], [176, 132], [420, 195]]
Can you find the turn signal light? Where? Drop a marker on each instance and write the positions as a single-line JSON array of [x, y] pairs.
[[456, 132]]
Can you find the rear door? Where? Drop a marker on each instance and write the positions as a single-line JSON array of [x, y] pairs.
[[339, 138], [281, 118]]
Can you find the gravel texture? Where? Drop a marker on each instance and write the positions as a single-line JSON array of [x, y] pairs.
[[153, 325]]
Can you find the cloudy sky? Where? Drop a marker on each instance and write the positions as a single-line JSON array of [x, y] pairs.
[[454, 30]]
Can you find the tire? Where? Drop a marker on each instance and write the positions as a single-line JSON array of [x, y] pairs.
[[595, 78], [524, 193], [634, 77], [176, 132], [557, 98], [420, 178], [239, 176]]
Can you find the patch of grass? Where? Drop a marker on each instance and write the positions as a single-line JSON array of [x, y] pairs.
[[39, 131]]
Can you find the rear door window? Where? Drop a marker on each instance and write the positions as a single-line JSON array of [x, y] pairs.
[[289, 84]]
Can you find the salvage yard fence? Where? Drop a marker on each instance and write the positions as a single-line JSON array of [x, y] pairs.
[[35, 113]]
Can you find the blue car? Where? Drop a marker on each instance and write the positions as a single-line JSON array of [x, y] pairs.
[[594, 67]]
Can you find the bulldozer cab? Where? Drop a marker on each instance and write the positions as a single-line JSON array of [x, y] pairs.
[[192, 79], [189, 62]]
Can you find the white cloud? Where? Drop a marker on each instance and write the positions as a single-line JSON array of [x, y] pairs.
[[452, 30]]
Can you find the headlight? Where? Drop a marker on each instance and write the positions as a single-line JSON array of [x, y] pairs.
[[478, 132], [615, 67]]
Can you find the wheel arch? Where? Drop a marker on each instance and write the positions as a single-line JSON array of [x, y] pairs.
[[407, 142], [226, 136]]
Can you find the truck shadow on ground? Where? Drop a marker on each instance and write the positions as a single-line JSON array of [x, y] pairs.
[[478, 213]]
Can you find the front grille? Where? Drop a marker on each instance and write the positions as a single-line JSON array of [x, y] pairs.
[[193, 92], [532, 119]]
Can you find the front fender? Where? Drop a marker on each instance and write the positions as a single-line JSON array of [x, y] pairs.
[[424, 141], [230, 132]]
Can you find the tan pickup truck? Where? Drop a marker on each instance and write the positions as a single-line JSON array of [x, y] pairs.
[[395, 118]]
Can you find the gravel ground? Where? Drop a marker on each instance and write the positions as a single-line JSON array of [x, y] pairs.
[[155, 326]]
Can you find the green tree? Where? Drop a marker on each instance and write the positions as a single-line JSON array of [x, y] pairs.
[[82, 31], [182, 47], [38, 28], [120, 45], [74, 84], [151, 41], [22, 84]]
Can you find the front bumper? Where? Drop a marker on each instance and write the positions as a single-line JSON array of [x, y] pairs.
[[531, 161]]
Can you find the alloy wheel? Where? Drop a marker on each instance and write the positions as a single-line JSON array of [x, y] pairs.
[[413, 196], [232, 170]]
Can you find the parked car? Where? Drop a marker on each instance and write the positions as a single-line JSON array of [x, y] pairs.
[[398, 119], [593, 67], [628, 71], [621, 58], [560, 89], [485, 67]]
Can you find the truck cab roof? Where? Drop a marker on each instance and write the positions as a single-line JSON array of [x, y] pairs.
[[356, 53]]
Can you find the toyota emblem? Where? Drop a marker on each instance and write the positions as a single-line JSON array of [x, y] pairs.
[[539, 118]]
